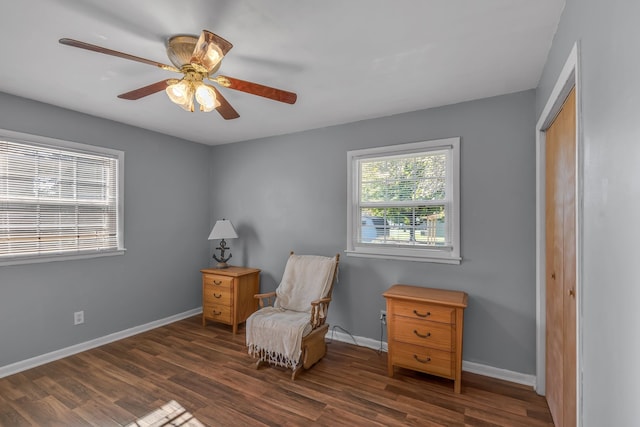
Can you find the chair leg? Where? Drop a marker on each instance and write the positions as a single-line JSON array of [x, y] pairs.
[[300, 366], [295, 372]]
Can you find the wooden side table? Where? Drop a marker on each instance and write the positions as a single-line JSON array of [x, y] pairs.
[[424, 330], [227, 294]]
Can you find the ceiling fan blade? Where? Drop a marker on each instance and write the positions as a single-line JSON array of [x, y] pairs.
[[257, 89], [225, 109], [145, 91], [100, 49], [209, 50]]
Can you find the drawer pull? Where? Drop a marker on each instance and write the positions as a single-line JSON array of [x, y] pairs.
[[427, 360], [418, 334], [217, 295], [421, 315], [217, 282], [216, 313]]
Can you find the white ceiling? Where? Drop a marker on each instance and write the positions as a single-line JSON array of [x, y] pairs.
[[347, 60]]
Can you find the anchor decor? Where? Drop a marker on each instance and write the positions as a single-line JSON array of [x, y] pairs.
[[222, 260]]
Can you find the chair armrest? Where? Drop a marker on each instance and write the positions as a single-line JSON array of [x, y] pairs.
[[266, 299], [319, 309]]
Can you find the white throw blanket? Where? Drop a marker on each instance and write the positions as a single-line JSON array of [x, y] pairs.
[[275, 333]]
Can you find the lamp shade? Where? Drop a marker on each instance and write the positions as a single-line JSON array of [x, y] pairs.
[[206, 97], [223, 229], [181, 93]]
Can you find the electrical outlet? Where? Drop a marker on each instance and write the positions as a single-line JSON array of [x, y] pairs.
[[383, 317], [78, 318]]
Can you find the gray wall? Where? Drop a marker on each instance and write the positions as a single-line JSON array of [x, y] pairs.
[[289, 193], [610, 98], [166, 229]]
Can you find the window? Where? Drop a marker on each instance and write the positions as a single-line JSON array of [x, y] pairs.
[[58, 200], [404, 202]]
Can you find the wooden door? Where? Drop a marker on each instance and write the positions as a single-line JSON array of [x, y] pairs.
[[561, 265]]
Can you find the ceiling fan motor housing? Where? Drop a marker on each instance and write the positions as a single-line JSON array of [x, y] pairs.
[[180, 49]]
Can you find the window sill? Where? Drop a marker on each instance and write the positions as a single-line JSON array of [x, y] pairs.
[[62, 257], [383, 255]]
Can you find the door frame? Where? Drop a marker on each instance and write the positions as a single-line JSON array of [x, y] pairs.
[[568, 78]]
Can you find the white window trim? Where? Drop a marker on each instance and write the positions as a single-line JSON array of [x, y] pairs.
[[446, 255], [58, 143]]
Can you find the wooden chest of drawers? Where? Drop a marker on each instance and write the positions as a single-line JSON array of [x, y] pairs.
[[227, 294], [424, 330]]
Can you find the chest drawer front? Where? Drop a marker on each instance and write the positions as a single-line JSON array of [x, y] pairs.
[[423, 311], [423, 359], [216, 294], [423, 333], [217, 281], [219, 313]]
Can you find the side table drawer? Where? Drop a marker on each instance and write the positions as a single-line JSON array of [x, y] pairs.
[[423, 333], [217, 281], [417, 310], [217, 312], [423, 359], [214, 294]]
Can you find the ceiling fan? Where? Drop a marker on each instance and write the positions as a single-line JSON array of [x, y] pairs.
[[198, 59]]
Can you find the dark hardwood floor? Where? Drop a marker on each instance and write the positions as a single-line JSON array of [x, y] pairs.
[[208, 372]]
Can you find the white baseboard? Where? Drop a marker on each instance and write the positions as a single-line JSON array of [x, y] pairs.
[[23, 365], [361, 341], [499, 373], [473, 367]]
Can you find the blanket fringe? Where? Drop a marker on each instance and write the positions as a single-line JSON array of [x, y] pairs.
[[272, 357]]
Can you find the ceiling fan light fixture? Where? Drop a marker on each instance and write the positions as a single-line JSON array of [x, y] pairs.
[[213, 55], [198, 59], [206, 97], [181, 93], [207, 52]]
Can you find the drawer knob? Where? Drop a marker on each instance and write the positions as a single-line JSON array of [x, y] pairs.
[[217, 282], [427, 360], [418, 334], [216, 313], [421, 315], [217, 295]]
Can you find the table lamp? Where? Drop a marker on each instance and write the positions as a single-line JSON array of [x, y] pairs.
[[223, 229]]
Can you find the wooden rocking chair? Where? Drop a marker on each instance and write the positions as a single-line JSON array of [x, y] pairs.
[[299, 308]]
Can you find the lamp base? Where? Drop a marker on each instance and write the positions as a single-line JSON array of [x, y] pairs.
[[222, 265]]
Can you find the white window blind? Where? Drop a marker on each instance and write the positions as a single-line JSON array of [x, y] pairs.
[[404, 201], [58, 200], [407, 199]]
